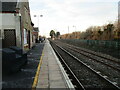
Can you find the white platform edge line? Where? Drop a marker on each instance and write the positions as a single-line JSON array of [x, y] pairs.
[[66, 78]]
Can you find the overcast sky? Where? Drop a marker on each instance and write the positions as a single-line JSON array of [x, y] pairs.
[[75, 14]]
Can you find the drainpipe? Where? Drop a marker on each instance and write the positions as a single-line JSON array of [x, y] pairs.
[[20, 29], [19, 14]]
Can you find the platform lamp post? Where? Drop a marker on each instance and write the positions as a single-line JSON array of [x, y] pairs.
[[37, 16]]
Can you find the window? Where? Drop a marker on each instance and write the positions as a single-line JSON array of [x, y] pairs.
[[0, 33]]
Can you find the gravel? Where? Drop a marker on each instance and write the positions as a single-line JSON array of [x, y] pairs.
[[89, 80]]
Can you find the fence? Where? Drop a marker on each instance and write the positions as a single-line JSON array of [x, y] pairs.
[[98, 43], [108, 47]]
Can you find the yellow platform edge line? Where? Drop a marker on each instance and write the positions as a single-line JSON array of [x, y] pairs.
[[37, 73]]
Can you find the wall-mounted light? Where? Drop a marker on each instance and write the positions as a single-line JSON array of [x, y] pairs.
[[15, 14]]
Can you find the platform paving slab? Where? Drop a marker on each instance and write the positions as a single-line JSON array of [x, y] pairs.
[[50, 74]]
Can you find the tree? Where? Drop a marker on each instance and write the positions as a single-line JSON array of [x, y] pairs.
[[52, 33], [57, 34]]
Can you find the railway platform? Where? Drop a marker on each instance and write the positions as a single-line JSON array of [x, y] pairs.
[[50, 73]]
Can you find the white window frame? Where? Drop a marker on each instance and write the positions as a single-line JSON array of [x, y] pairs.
[[25, 36]]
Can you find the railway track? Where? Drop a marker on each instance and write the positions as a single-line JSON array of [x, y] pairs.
[[92, 53], [96, 54], [84, 74], [106, 61], [108, 69]]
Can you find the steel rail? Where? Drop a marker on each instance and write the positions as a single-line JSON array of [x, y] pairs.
[[95, 59], [94, 54]]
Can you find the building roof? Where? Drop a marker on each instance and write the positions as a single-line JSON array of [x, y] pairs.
[[36, 29], [9, 6]]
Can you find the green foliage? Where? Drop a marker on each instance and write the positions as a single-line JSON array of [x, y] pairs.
[[57, 34], [52, 33]]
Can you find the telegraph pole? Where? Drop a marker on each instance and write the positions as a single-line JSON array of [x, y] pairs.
[[68, 29]]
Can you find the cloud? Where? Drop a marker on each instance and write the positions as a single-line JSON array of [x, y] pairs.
[[59, 14]]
